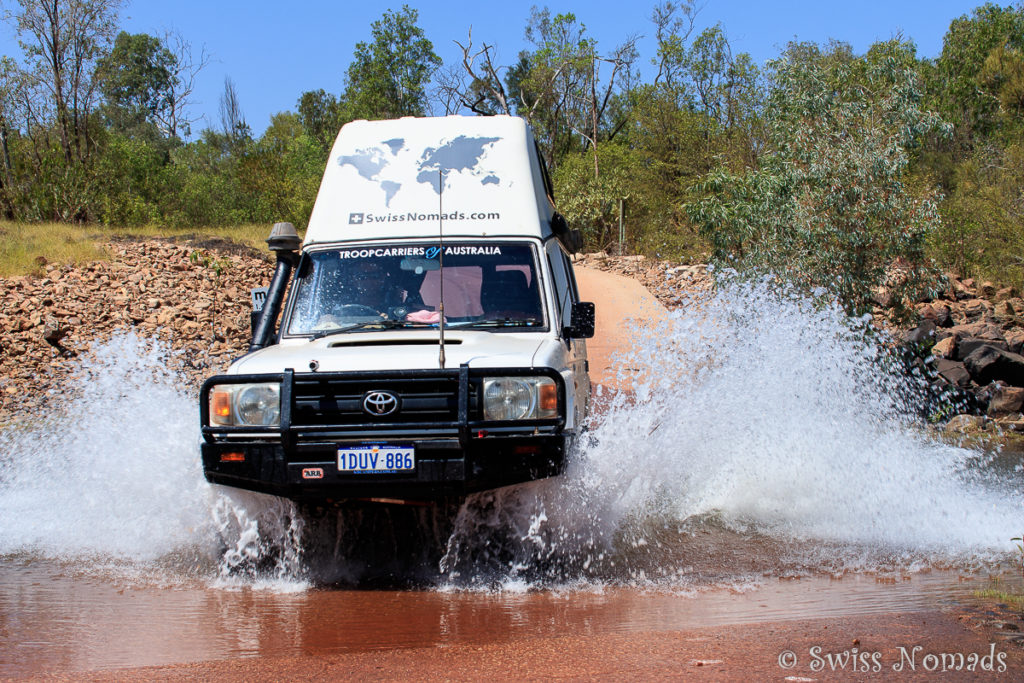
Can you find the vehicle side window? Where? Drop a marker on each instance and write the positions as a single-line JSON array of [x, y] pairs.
[[563, 285], [574, 290], [549, 188]]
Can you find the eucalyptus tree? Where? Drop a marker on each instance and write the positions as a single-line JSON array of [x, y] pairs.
[[320, 115], [388, 76], [135, 80], [56, 92], [560, 89], [62, 41], [9, 86], [828, 205], [977, 83], [980, 53]]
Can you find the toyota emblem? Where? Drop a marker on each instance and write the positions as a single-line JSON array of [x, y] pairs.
[[380, 403]]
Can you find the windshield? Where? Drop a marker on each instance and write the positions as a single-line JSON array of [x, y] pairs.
[[487, 285]]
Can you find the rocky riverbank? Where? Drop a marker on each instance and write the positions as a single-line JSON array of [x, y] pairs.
[[193, 295], [670, 283], [969, 341]]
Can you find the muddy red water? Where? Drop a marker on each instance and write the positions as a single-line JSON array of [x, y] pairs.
[[56, 618]]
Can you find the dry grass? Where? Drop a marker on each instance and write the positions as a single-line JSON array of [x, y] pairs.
[[25, 247]]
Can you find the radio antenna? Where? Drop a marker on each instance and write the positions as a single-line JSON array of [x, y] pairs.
[[440, 243]]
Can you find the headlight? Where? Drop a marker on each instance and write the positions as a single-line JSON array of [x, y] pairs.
[[254, 405], [520, 398]]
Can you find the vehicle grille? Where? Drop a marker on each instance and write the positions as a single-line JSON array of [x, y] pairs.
[[333, 401]]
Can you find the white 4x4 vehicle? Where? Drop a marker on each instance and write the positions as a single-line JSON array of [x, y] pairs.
[[431, 342]]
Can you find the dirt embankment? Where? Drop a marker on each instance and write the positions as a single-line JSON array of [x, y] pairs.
[[670, 283], [192, 296]]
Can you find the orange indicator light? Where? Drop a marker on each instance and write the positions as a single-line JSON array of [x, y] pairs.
[[233, 456], [221, 404], [548, 398]]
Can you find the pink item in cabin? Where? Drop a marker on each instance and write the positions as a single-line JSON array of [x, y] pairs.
[[424, 317]]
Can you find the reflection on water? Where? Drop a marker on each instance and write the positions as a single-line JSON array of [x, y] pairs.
[[54, 619]]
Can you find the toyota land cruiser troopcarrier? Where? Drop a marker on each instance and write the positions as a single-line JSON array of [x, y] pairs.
[[431, 343]]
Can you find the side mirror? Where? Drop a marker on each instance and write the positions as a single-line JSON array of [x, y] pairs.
[[581, 321]]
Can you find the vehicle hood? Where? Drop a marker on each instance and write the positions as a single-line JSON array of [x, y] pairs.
[[395, 351]]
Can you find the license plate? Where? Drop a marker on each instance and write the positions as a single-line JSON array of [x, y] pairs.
[[376, 459]]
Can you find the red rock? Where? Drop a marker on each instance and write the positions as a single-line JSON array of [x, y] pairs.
[[1015, 339], [1006, 293], [944, 348], [1006, 400], [977, 309]]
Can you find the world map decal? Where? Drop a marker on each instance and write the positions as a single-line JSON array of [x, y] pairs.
[[460, 155]]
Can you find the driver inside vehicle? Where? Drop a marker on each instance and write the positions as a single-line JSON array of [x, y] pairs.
[[371, 285], [359, 291]]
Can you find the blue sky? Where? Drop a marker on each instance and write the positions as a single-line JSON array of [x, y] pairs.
[[274, 51]]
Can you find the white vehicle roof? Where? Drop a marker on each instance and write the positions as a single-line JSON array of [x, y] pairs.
[[394, 179]]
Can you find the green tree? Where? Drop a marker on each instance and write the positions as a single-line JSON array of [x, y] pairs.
[[130, 175], [203, 184], [62, 40], [136, 79], [978, 85], [561, 89], [728, 90], [280, 173], [9, 87], [966, 94], [592, 202], [673, 22], [1003, 76], [320, 115], [982, 233], [828, 205], [388, 76]]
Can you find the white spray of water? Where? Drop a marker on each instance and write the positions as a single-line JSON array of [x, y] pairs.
[[758, 425], [757, 414], [109, 470]]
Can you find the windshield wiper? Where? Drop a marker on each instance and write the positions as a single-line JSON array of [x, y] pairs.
[[503, 322], [382, 323]]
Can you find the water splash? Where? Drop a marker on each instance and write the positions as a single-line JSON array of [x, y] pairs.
[[109, 472], [761, 435], [262, 541], [109, 467]]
